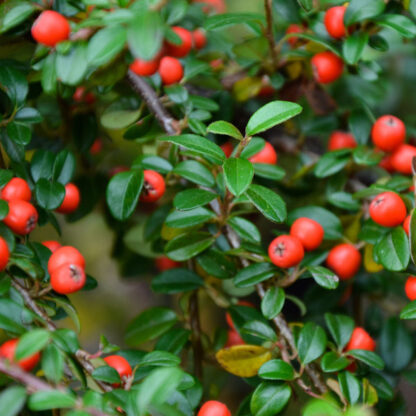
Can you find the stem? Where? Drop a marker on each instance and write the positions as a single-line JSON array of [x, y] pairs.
[[270, 32], [196, 334]]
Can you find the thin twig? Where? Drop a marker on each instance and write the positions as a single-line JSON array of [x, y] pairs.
[[196, 334], [270, 31]]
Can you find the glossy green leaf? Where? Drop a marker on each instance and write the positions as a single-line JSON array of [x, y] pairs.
[[49, 195], [195, 172], [332, 162], [220, 21], [311, 343], [238, 174], [358, 11], [64, 167], [272, 302], [192, 198], [107, 374], [17, 14], [368, 357], [52, 363], [31, 342], [276, 370], [340, 327], [176, 280], [393, 250], [269, 398], [12, 400], [20, 133], [265, 170], [332, 362], [350, 386], [225, 128], [51, 399], [401, 24], [253, 274], [189, 218], [353, 47], [14, 84], [245, 229], [216, 264], [72, 66], [186, 246], [324, 277], [409, 311]]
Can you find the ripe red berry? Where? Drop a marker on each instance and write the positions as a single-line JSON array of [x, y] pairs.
[[266, 155], [386, 164], [170, 70], [22, 217], [227, 148], [8, 350], [293, 28], [164, 263], [181, 50], [68, 278], [401, 159], [199, 38], [228, 316], [334, 21], [214, 408], [344, 260], [388, 133], [65, 255], [387, 209], [16, 188], [50, 28], [145, 68], [410, 287], [82, 95], [266, 91], [71, 200], [309, 232], [233, 338], [52, 245], [341, 140], [406, 224], [4, 254], [217, 6], [120, 364], [286, 251], [360, 340], [327, 67], [96, 147], [153, 186]]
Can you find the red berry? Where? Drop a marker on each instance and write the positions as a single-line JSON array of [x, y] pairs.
[[153, 186], [8, 350], [309, 232], [360, 340], [164, 263], [22, 217], [410, 288], [145, 68], [334, 21], [181, 50], [216, 64], [68, 278], [266, 91], [388, 209], [65, 255], [52, 245], [50, 28], [293, 28], [120, 364], [4, 254], [227, 148], [406, 224], [170, 70], [96, 147], [341, 140], [82, 95], [17, 188], [401, 159], [199, 37], [327, 67], [286, 251], [214, 408], [386, 164], [266, 155], [71, 199], [388, 133], [228, 316], [233, 338], [217, 6], [344, 260]]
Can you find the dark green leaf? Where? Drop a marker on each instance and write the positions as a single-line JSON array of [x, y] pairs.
[[409, 311], [107, 374], [260, 330], [176, 280], [192, 198], [401, 24], [368, 357], [160, 359], [64, 167], [195, 172], [311, 343], [238, 174], [49, 195], [272, 302], [51, 399], [72, 66], [31, 342], [276, 370], [265, 170], [220, 21], [20, 133], [353, 47], [324, 277], [245, 229], [332, 162], [225, 128], [358, 11], [185, 246], [52, 363], [18, 13], [253, 274], [159, 164], [393, 250], [340, 327], [269, 398], [14, 83], [332, 362], [189, 218], [216, 264], [350, 386]]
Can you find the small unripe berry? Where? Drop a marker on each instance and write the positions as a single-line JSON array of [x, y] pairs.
[[341, 140], [360, 340], [52, 245], [65, 255], [410, 287], [181, 50], [120, 364], [334, 21], [388, 133], [309, 232], [68, 278], [199, 38], [164, 263], [327, 67], [214, 408], [170, 70], [71, 200], [16, 188], [50, 28], [406, 224], [8, 351], [293, 28], [153, 186], [388, 209], [286, 251], [22, 217], [344, 260], [266, 155], [4, 254], [145, 68], [401, 159]]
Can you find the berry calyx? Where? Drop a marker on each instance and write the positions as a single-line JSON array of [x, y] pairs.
[[8, 350], [360, 340], [181, 50], [71, 200], [214, 408], [388, 209], [68, 278], [153, 186], [286, 251], [344, 260], [4, 254], [266, 155], [327, 67], [22, 217], [410, 287], [199, 38], [65, 255], [334, 21], [164, 263], [309, 232], [52, 245], [233, 338], [121, 365], [16, 188], [388, 133], [293, 28], [170, 70], [401, 159], [50, 28], [144, 68], [406, 224], [341, 140]]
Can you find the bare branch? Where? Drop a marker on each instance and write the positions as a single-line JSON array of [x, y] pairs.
[[269, 32]]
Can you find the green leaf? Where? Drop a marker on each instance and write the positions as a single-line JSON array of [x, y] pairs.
[[216, 264], [115, 119], [18, 132], [150, 324], [409, 311], [260, 330], [353, 47], [225, 128], [195, 172], [368, 357], [350, 386], [365, 156], [189, 218], [185, 246], [324, 277], [107, 374], [316, 39], [270, 115], [307, 5], [393, 250], [4, 209], [162, 358], [174, 340], [176, 280], [12, 400], [31, 342], [41, 165], [272, 302], [51, 399], [332, 362], [72, 66], [276, 370], [63, 167], [253, 274], [49, 195], [332, 162], [238, 174], [269, 398], [105, 45], [401, 24], [245, 229], [311, 343], [267, 202], [49, 80], [340, 327], [192, 198], [145, 35], [268, 171], [52, 363], [28, 115], [159, 164], [220, 21], [358, 11], [412, 236], [14, 84], [123, 192], [343, 200], [199, 145], [17, 14]]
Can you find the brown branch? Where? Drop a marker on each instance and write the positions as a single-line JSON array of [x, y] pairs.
[[196, 334], [269, 32]]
